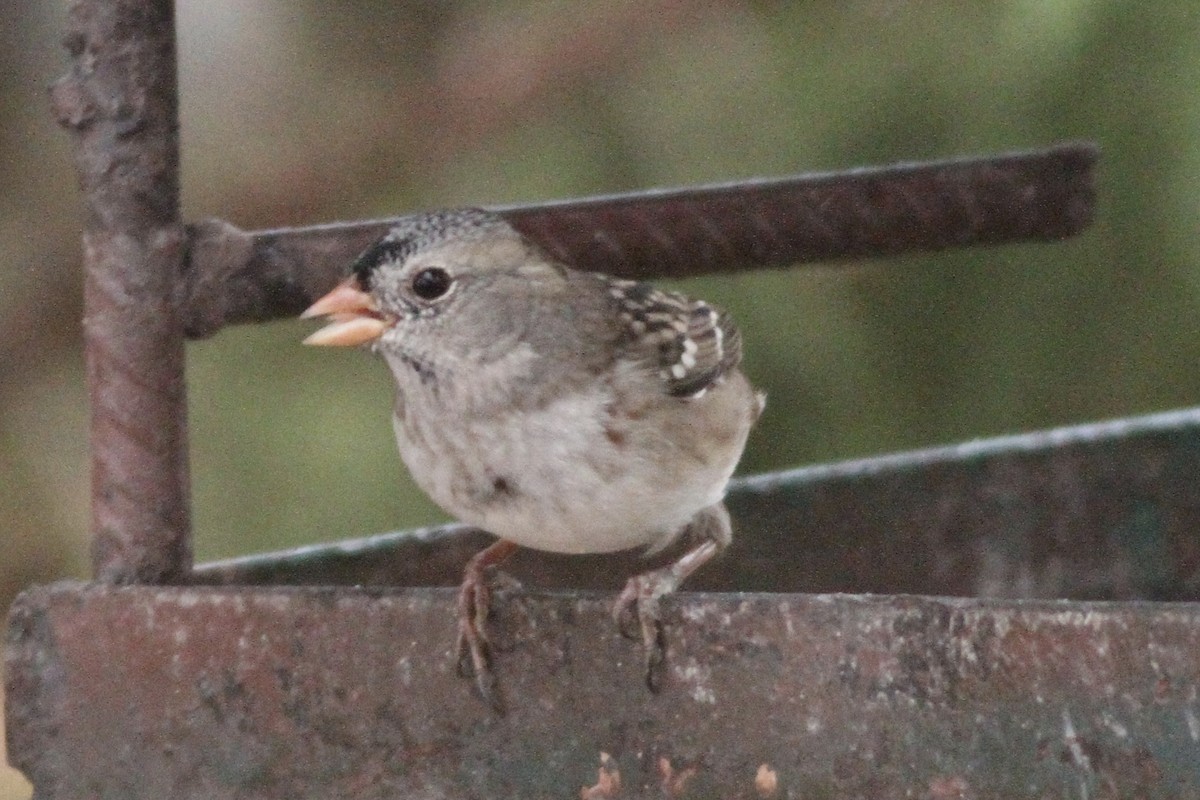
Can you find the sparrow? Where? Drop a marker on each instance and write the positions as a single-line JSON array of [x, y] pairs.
[[557, 409]]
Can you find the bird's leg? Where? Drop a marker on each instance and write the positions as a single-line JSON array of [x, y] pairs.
[[712, 532], [474, 605]]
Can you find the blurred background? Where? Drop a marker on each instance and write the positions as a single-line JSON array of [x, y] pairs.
[[297, 111]]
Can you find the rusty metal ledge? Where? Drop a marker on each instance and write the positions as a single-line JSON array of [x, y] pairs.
[[216, 692], [1102, 511]]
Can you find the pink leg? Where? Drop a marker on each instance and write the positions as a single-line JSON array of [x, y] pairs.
[[474, 605], [642, 593]]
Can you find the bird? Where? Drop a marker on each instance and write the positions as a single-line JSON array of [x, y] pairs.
[[557, 409]]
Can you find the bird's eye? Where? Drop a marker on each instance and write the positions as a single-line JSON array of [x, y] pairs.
[[431, 283]]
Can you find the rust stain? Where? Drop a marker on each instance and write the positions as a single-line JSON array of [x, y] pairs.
[[949, 787], [608, 781], [674, 781]]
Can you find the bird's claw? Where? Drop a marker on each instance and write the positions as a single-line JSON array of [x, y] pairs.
[[640, 601], [474, 651], [474, 648], [475, 661], [625, 609]]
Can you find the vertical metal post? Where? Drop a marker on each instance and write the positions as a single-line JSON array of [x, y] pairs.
[[119, 101]]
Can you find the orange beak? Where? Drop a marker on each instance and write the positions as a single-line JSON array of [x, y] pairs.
[[354, 317]]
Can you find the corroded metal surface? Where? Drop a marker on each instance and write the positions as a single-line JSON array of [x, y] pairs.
[[1102, 511], [237, 276], [222, 693], [119, 103]]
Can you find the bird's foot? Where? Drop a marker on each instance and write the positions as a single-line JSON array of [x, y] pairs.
[[640, 599], [474, 652], [638, 615]]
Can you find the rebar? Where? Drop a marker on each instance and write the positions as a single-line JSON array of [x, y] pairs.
[[119, 102], [1045, 195]]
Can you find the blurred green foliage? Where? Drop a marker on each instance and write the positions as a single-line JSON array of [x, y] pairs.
[[534, 101], [299, 112], [296, 113]]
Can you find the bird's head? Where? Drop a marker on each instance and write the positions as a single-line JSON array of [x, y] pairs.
[[455, 276]]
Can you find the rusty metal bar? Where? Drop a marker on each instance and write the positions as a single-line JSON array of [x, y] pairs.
[[119, 102], [316, 693], [235, 276], [1102, 511]]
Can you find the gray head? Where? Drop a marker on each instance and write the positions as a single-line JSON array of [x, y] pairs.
[[415, 268], [449, 284]]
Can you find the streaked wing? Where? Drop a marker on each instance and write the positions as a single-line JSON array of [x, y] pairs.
[[690, 344]]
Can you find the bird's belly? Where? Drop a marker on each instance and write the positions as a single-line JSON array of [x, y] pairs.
[[552, 480], [577, 520]]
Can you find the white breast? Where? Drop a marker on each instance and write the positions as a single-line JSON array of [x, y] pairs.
[[552, 479]]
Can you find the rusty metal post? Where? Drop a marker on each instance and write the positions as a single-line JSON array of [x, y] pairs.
[[119, 101]]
